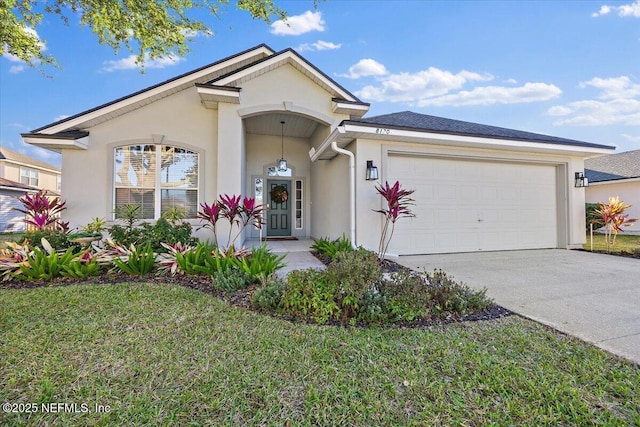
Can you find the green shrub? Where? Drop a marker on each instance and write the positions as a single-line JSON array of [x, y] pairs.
[[310, 295], [269, 296], [230, 280], [261, 263], [218, 260], [355, 273], [162, 231], [44, 266], [449, 296], [408, 296], [185, 259], [80, 270], [59, 240], [139, 262], [373, 308], [593, 217], [330, 248]]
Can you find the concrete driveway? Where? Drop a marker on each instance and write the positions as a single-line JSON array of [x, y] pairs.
[[594, 297]]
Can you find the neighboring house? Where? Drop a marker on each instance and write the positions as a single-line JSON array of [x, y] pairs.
[[26, 170], [218, 129], [616, 175], [10, 219]]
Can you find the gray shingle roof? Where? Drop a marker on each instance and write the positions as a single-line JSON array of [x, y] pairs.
[[613, 166], [422, 122], [7, 154], [17, 185]]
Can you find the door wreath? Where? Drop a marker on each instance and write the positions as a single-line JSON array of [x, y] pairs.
[[279, 194]]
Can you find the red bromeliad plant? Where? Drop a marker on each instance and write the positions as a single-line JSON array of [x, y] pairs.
[[398, 205], [42, 211], [237, 210], [612, 214]]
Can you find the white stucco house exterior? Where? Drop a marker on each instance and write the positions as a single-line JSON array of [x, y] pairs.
[[616, 175], [218, 129]]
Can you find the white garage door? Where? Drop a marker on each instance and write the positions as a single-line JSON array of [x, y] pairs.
[[469, 206]]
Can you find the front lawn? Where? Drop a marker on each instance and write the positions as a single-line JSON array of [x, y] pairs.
[[624, 243], [168, 355]]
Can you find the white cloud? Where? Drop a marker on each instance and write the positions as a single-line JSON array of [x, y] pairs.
[[193, 34], [299, 24], [319, 45], [417, 87], [631, 9], [618, 103], [60, 117], [129, 63], [631, 138], [365, 67], [614, 87], [511, 81], [489, 95], [15, 69]]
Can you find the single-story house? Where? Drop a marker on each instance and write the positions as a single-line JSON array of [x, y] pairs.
[[616, 175], [223, 128], [10, 219]]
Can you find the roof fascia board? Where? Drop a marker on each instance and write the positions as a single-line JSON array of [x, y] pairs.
[[615, 181], [278, 57], [56, 144], [384, 132], [18, 189], [77, 120], [337, 132]]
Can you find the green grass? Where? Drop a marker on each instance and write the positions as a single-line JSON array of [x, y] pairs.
[[171, 356], [624, 243]]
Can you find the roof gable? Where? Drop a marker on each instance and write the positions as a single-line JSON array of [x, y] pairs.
[[161, 90], [14, 156], [422, 122], [613, 166], [284, 57]]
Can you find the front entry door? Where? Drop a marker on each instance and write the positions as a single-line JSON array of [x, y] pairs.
[[279, 213]]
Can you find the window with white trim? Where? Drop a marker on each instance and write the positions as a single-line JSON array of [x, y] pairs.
[[156, 178], [29, 176]]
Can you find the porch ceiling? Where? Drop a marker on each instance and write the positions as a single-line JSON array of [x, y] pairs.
[[269, 124]]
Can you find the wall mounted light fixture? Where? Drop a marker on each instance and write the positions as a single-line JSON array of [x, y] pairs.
[[581, 180], [282, 163], [372, 171]]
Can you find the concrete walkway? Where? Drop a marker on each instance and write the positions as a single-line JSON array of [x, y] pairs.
[[594, 297], [298, 255]]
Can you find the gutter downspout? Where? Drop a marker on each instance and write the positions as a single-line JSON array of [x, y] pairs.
[[352, 189]]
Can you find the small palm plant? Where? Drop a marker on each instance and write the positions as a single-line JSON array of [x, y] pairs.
[[398, 205]]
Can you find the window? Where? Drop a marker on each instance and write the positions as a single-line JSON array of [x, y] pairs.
[[156, 178], [299, 202], [29, 176]]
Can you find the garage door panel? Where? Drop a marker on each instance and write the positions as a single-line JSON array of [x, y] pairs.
[[469, 205]]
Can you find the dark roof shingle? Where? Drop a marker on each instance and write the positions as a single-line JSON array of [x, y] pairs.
[[17, 185], [424, 122], [613, 166]]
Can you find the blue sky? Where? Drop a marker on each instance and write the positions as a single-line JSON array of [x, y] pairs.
[[568, 69]]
